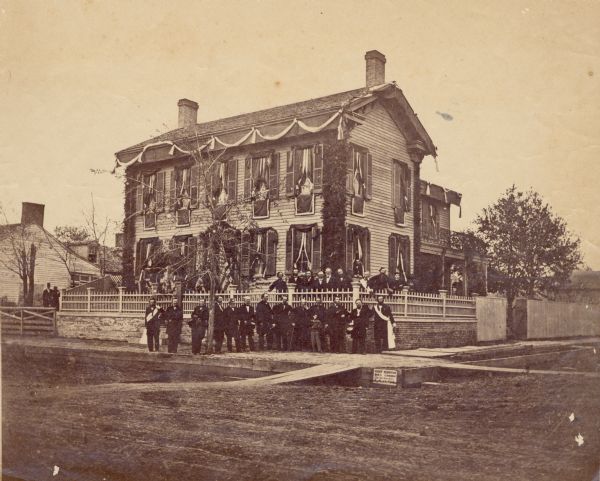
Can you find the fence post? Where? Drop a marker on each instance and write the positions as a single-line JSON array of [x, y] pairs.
[[405, 292], [355, 292], [443, 294], [61, 299], [291, 293], [54, 323], [121, 290], [231, 289], [89, 299], [22, 321]]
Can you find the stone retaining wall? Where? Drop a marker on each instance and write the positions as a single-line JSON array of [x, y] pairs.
[[410, 334]]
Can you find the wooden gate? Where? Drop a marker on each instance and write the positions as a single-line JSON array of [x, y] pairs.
[[28, 320]]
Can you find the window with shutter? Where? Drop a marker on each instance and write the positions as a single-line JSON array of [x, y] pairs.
[[232, 179], [160, 191], [247, 178], [172, 191], [358, 242], [139, 195], [289, 250], [271, 253], [401, 191], [316, 248], [318, 167], [399, 255], [304, 174], [274, 177], [369, 171], [261, 178], [194, 174], [289, 173], [350, 172]]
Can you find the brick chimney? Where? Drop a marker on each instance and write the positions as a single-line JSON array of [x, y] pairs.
[[375, 68], [32, 213], [188, 113]]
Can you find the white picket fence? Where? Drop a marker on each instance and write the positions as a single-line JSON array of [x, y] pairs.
[[403, 304]]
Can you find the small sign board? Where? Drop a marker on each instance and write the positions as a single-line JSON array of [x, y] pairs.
[[385, 376]]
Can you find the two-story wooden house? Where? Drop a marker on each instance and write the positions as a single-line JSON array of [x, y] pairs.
[[274, 159]]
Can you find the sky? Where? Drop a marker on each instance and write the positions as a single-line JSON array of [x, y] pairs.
[[80, 80]]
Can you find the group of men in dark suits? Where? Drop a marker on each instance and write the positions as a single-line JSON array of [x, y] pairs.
[[279, 327], [51, 297]]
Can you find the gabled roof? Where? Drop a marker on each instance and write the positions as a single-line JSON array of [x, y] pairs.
[[304, 109]]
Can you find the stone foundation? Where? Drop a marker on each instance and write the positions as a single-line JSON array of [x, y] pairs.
[[410, 334]]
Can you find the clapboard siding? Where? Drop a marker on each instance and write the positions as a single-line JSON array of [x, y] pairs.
[[49, 266], [385, 142], [379, 134]]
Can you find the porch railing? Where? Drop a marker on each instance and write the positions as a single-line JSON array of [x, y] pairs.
[[404, 304]]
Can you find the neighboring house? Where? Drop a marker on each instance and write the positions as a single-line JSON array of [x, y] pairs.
[[276, 157], [108, 259], [583, 286], [54, 262]]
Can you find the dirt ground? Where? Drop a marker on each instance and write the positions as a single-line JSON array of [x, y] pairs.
[[499, 428]]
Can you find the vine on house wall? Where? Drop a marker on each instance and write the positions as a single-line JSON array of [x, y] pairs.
[[130, 188], [335, 158]]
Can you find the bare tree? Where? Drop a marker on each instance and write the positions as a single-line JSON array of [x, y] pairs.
[[18, 253]]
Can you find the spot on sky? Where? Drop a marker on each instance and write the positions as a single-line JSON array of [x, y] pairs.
[[591, 73], [445, 116], [277, 83]]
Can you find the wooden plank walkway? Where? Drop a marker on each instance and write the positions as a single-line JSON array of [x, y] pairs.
[[313, 372]]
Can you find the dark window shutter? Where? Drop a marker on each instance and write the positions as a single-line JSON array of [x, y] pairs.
[[172, 189], [271, 251], [289, 172], [367, 251], [318, 167], [274, 177], [289, 250], [138, 258], [406, 254], [232, 179], [397, 193], [350, 172], [406, 190], [245, 255], [316, 248], [368, 170], [194, 173], [160, 191], [139, 195], [349, 248], [393, 251], [248, 178]]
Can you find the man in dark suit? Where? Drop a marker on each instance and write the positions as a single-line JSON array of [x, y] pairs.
[[337, 317], [396, 283], [359, 319], [382, 315], [232, 332], [342, 281], [302, 326], [318, 283], [282, 317], [47, 296], [294, 277], [380, 282], [219, 324], [152, 324], [173, 317], [279, 284], [317, 311], [55, 299], [246, 319], [199, 325], [264, 321], [329, 280]]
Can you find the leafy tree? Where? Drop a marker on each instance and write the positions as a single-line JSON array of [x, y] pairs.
[[71, 233], [530, 249]]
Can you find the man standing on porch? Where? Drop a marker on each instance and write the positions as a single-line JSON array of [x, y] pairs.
[[152, 324], [382, 316]]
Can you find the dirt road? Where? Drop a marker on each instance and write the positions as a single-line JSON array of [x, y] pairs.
[[503, 428]]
